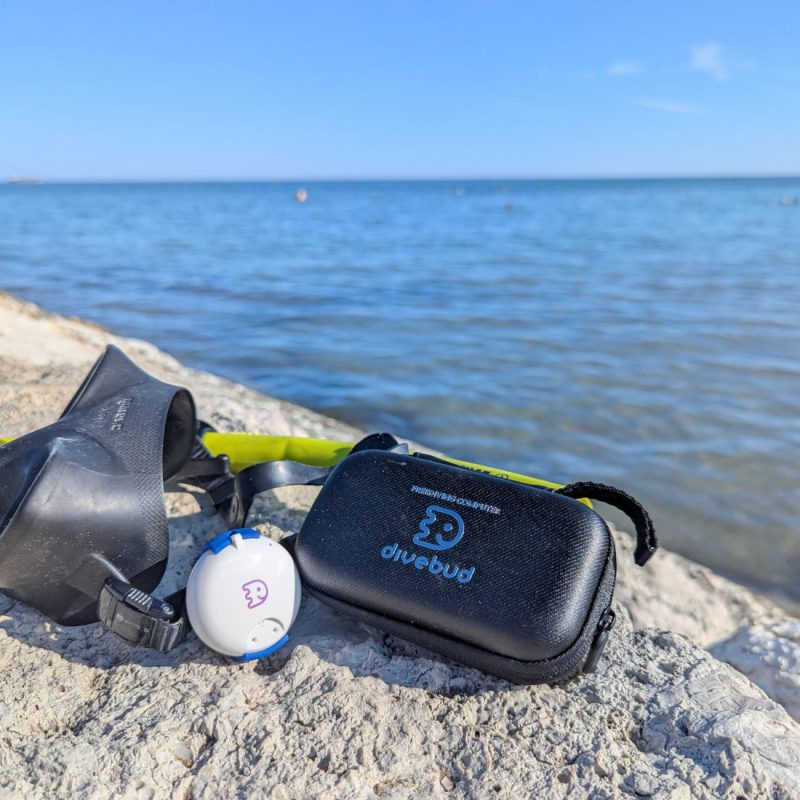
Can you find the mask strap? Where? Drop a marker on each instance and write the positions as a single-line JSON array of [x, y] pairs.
[[233, 495], [140, 619], [646, 541]]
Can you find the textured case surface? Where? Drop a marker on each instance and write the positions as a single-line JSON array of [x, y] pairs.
[[507, 568]]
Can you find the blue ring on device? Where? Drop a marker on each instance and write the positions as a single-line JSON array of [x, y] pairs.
[[262, 653]]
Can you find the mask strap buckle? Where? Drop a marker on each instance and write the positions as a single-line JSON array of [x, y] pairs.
[[140, 619]]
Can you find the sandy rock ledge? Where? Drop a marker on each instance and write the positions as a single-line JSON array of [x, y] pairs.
[[345, 711]]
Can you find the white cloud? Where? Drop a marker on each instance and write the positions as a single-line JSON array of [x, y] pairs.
[[622, 69], [710, 58], [669, 106]]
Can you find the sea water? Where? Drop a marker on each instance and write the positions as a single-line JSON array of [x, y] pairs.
[[641, 333]]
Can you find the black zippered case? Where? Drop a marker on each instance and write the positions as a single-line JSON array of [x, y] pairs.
[[507, 577]]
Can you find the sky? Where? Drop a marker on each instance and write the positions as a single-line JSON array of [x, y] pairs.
[[249, 89]]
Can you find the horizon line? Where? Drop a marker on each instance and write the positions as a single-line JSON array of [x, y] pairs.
[[12, 180]]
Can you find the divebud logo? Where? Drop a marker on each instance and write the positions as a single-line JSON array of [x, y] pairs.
[[440, 529]]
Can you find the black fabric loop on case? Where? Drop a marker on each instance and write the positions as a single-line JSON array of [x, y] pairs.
[[646, 541]]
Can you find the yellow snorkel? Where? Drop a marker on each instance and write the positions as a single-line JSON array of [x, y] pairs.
[[246, 449]]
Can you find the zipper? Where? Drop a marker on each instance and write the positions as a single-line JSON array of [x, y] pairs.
[[604, 626]]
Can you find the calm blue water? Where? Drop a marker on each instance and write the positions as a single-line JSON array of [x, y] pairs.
[[641, 333]]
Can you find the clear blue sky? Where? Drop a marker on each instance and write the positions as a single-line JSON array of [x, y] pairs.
[[172, 89]]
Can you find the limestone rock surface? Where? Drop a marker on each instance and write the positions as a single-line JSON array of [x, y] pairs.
[[769, 655], [345, 711]]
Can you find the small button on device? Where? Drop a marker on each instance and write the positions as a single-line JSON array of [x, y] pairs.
[[243, 595]]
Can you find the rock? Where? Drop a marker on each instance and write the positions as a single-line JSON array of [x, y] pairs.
[[770, 656], [343, 710], [675, 593], [348, 712]]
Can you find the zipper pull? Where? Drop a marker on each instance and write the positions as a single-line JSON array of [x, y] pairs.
[[604, 626]]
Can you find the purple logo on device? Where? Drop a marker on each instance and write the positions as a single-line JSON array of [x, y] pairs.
[[255, 592]]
